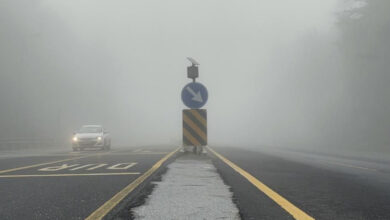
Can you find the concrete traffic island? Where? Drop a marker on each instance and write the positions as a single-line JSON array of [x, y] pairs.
[[190, 189]]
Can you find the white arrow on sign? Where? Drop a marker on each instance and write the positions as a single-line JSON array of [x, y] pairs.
[[196, 96]]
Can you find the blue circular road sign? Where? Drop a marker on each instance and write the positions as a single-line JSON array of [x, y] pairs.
[[194, 95]]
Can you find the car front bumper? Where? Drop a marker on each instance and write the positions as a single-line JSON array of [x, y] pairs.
[[88, 144]]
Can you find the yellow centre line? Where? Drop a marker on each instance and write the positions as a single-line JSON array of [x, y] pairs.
[[47, 163], [69, 174], [282, 202], [114, 201]]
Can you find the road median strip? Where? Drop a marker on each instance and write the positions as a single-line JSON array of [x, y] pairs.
[[191, 188]]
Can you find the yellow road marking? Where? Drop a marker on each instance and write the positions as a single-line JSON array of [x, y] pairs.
[[68, 174], [284, 203], [47, 163], [110, 204]]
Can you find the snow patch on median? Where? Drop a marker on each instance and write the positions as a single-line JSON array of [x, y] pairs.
[[191, 189]]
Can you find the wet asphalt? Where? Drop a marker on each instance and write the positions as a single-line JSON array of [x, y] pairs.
[[323, 187], [70, 189]]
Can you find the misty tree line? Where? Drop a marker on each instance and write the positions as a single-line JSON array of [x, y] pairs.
[[49, 82], [365, 57]]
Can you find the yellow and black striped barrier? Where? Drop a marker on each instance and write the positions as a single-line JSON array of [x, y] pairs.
[[195, 127]]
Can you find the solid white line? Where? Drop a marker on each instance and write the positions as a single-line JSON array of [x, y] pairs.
[[69, 174]]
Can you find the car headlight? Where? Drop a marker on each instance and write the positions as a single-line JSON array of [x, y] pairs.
[[75, 139], [99, 138]]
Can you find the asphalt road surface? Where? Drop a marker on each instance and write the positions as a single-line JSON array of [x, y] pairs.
[[69, 185], [265, 184], [323, 187]]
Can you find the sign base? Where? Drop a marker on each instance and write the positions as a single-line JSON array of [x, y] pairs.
[[194, 127]]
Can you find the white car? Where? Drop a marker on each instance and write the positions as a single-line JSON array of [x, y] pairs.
[[91, 136]]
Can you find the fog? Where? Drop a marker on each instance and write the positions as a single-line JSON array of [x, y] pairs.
[[298, 74]]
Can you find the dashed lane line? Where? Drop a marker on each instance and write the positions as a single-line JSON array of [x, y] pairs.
[[282, 202]]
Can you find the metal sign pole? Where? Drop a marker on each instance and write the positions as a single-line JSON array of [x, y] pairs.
[[194, 95]]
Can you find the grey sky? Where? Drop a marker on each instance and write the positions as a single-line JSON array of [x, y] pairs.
[[272, 68]]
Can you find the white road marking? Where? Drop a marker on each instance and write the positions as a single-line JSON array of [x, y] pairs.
[[118, 166], [69, 174], [98, 166], [81, 167], [57, 168]]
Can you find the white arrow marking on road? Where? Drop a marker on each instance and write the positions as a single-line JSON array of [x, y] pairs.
[[196, 96]]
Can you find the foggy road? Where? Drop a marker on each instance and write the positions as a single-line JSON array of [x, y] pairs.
[[265, 184], [309, 79], [323, 187], [69, 185]]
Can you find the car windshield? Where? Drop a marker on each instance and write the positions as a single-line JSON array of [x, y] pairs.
[[90, 130]]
